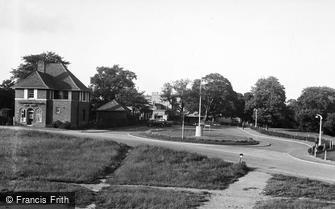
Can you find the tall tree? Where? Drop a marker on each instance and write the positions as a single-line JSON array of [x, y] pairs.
[[314, 100], [218, 96], [269, 99], [115, 83], [30, 63]]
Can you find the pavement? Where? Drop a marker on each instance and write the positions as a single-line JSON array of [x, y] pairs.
[[285, 156]]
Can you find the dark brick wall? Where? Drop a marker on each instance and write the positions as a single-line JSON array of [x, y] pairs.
[[75, 95], [78, 119], [111, 119]]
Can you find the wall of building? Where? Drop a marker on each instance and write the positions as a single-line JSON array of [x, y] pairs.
[[111, 119], [61, 110], [41, 94], [19, 93], [34, 105]]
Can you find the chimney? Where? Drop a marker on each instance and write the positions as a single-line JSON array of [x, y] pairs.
[[41, 66]]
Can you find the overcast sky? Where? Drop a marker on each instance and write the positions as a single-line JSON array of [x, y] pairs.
[[162, 41]]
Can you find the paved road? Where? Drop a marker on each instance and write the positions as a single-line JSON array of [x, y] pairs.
[[283, 156]]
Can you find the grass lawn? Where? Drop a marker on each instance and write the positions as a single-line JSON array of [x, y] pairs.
[[293, 204], [144, 198], [147, 165], [35, 155], [222, 135], [330, 155], [41, 162], [296, 132], [36, 161], [292, 188]]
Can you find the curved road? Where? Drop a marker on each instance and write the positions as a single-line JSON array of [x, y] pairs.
[[284, 156]]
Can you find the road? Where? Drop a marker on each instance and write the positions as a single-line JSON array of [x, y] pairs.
[[284, 156]]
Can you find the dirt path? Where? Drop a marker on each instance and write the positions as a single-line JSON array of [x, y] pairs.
[[242, 194]]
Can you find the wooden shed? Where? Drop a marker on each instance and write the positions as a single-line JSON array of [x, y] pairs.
[[112, 114]]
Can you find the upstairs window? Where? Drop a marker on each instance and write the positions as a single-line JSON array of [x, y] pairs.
[[30, 93], [61, 95], [84, 96]]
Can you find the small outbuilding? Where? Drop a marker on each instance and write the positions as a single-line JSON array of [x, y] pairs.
[[112, 114]]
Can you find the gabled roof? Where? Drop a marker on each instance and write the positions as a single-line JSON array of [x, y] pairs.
[[56, 76], [112, 106]]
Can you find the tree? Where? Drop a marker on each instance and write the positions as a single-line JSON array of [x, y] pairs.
[[30, 64], [314, 100], [269, 99], [7, 94], [176, 93], [131, 97], [249, 106], [115, 83], [218, 96], [329, 125]]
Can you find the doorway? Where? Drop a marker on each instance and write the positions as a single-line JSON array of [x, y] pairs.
[[30, 116]]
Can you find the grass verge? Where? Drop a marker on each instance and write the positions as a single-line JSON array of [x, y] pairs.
[[298, 193], [35, 161], [210, 137], [147, 165], [135, 198], [34, 155], [293, 204]]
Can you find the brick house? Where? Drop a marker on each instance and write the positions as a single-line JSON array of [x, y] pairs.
[[51, 93]]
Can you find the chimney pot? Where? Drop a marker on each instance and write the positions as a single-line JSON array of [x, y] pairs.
[[41, 66]]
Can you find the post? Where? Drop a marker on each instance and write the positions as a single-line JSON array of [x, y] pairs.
[[325, 158], [320, 129], [198, 128], [241, 156], [182, 126]]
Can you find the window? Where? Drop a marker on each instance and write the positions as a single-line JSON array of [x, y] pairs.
[[84, 96], [31, 94], [38, 115], [23, 115], [61, 95], [57, 110], [84, 114]]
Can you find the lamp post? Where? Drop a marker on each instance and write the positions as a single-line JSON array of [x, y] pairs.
[[320, 129], [255, 110], [198, 128]]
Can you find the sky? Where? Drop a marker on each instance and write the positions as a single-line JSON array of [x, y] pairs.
[[162, 41]]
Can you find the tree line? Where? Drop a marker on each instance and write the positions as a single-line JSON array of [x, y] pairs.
[[218, 97]]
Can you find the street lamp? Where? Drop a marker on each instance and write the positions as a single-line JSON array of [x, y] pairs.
[[198, 128], [255, 110], [320, 130]]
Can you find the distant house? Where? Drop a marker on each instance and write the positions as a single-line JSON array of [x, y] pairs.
[[159, 111], [51, 93], [112, 114]]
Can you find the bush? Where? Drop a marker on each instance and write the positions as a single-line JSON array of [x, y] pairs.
[[65, 125], [62, 125], [57, 124]]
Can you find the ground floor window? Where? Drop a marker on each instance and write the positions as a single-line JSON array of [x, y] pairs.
[[22, 115], [38, 115]]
